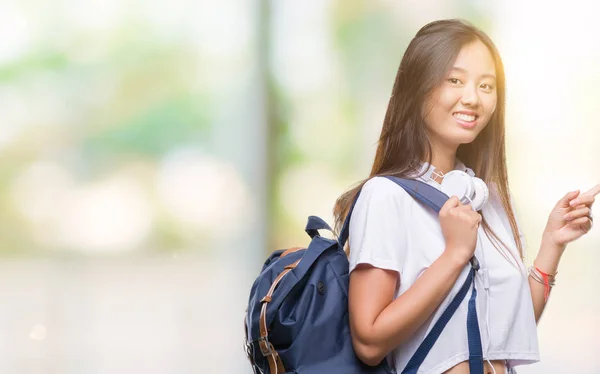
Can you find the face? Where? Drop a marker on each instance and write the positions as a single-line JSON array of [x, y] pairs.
[[461, 106]]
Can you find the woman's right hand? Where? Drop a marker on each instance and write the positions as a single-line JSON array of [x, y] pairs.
[[459, 226]]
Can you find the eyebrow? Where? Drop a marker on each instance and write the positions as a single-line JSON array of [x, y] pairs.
[[482, 76]]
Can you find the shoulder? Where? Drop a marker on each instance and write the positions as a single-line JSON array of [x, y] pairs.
[[378, 225], [382, 197], [381, 187]]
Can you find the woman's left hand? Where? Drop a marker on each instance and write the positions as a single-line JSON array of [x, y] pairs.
[[571, 217]]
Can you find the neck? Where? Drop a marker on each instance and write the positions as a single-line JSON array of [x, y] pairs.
[[443, 163], [443, 156]]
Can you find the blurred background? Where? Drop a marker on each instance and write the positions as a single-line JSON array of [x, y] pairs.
[[153, 153]]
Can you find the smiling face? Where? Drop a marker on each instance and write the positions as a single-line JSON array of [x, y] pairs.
[[461, 106]]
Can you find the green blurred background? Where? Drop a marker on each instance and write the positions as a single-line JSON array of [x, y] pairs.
[[152, 153]]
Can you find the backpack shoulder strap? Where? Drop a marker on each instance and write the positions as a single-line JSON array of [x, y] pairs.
[[429, 195]]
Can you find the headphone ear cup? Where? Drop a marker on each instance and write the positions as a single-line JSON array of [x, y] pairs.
[[482, 194], [458, 183]]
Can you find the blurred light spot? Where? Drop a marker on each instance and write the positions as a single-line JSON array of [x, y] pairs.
[[203, 192], [38, 332], [112, 215], [15, 31], [41, 190]]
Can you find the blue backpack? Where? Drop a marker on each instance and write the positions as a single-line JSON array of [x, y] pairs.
[[297, 316]]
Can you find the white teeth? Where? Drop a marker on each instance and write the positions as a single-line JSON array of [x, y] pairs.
[[464, 117]]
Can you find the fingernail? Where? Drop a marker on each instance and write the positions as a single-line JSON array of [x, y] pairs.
[[574, 202], [566, 217]]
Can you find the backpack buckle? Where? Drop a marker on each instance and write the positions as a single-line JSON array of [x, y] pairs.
[[266, 348], [250, 352]]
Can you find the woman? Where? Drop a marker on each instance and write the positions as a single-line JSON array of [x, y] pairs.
[[446, 113]]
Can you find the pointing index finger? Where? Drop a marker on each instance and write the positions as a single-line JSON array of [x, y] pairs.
[[593, 191]]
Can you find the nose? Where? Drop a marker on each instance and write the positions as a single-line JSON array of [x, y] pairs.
[[470, 96]]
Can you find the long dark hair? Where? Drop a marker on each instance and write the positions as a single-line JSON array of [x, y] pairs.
[[404, 143]]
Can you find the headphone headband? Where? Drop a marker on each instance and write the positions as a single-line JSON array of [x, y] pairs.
[[472, 189]]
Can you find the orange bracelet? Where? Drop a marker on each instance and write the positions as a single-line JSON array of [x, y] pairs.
[[541, 272], [545, 276]]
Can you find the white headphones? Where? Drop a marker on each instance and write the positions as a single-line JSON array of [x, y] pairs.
[[462, 184]]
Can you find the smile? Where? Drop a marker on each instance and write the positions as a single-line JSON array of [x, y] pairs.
[[465, 117]]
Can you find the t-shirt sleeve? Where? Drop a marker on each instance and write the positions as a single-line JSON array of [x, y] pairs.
[[378, 226]]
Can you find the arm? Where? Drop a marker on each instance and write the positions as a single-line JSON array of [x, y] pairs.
[[547, 260], [378, 322], [568, 221]]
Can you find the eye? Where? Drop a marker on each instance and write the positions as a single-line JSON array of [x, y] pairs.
[[487, 87], [454, 80]]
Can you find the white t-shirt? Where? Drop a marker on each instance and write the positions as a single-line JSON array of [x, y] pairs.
[[391, 230]]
